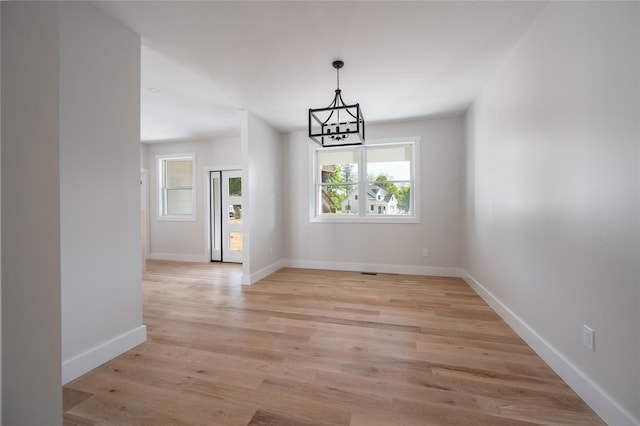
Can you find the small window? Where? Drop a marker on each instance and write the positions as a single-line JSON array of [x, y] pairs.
[[176, 177], [376, 182]]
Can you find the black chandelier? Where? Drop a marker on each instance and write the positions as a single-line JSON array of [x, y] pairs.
[[338, 124]]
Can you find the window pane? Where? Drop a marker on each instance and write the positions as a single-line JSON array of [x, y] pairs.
[[389, 198], [339, 199], [179, 173], [389, 163], [389, 153], [235, 187], [235, 213], [338, 166], [348, 156], [235, 241], [179, 201]]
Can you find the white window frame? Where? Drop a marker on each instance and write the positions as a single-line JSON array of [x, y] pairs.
[[362, 216], [161, 161]]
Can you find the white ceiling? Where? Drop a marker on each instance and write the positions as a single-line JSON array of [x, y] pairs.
[[402, 59]]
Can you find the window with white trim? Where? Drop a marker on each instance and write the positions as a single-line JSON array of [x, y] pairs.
[[176, 184], [377, 182]]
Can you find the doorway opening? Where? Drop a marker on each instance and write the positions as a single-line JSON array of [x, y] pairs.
[[226, 216]]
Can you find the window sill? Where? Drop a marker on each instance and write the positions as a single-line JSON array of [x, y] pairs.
[[364, 219]]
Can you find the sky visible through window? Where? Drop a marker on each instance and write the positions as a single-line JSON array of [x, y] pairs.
[[396, 170]]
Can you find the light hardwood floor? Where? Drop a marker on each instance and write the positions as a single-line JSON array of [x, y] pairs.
[[307, 347]]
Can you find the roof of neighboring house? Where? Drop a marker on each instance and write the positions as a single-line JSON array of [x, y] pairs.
[[374, 190], [372, 193]]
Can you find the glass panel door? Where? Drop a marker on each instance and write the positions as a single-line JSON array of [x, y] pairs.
[[232, 204], [226, 216]]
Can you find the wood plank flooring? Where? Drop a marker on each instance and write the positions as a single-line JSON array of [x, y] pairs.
[[308, 347]]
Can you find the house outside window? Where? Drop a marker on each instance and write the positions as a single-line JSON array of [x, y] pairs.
[[377, 182], [176, 185]]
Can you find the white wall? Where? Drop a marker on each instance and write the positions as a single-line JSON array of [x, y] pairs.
[[99, 188], [186, 240], [552, 201], [384, 247], [263, 188], [144, 154], [31, 390]]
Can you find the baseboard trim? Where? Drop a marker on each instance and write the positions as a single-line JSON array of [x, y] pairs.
[[375, 267], [262, 273], [176, 257], [600, 401], [87, 361], [357, 267]]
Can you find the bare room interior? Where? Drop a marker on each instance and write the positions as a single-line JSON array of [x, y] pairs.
[[185, 241]]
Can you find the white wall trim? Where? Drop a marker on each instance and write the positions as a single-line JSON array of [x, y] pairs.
[[375, 267], [87, 361], [601, 402], [262, 273], [177, 257]]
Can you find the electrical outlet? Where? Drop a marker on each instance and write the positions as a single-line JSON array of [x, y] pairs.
[[425, 252], [589, 338]]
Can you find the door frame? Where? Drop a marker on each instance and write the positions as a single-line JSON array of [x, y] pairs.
[[207, 204]]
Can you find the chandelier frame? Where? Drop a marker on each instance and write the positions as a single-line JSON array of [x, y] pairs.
[[338, 124]]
